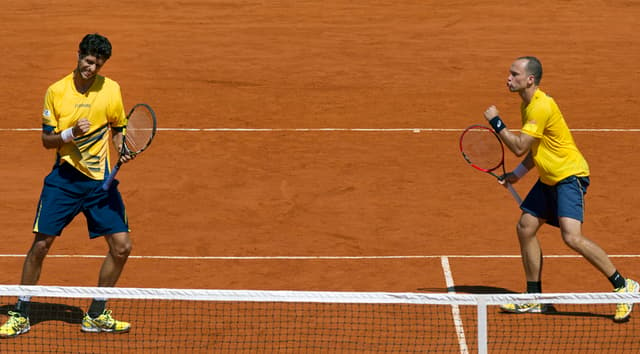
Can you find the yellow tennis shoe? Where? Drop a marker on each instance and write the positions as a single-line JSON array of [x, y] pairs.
[[104, 323], [623, 311], [15, 325]]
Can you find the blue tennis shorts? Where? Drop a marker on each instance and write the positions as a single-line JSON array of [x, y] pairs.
[[565, 199], [67, 192]]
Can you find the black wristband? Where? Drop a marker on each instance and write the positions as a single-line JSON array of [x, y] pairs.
[[497, 124]]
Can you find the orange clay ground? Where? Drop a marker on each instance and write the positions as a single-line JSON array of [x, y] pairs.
[[338, 64]]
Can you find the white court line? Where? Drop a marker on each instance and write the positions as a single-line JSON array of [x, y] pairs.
[[455, 309], [311, 258], [413, 130]]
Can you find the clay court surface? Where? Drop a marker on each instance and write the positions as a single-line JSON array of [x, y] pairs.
[[236, 207]]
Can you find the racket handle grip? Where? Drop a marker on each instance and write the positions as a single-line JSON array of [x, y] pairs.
[[514, 193], [107, 182]]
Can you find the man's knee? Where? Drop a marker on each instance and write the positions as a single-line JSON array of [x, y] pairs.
[[528, 226], [571, 231], [120, 245], [572, 239], [40, 247]]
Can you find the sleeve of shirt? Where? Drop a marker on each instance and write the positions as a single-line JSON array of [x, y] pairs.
[[117, 117], [535, 121], [49, 120]]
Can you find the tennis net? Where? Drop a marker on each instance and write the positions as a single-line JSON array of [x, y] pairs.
[[247, 321]]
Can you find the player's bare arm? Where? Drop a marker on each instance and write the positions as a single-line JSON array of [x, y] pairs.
[[53, 140], [117, 138], [519, 144], [515, 175]]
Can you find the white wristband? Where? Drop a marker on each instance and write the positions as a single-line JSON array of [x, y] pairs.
[[520, 171], [67, 135]]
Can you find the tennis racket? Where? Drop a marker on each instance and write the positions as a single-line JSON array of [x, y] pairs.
[[136, 136], [482, 148]]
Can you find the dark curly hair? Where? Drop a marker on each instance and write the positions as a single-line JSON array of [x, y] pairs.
[[96, 45]]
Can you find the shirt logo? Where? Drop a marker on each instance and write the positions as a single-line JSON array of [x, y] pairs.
[[46, 113]]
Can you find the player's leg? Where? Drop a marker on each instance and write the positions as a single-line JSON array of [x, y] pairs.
[[531, 255], [571, 201], [570, 194], [537, 210], [119, 250], [32, 266], [571, 230], [106, 216], [573, 237], [98, 318], [18, 322], [530, 249], [60, 201], [534, 209]]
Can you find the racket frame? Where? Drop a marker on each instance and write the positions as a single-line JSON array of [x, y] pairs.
[[124, 150], [492, 170]]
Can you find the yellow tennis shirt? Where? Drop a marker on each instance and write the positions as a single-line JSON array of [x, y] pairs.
[[554, 151], [101, 105]]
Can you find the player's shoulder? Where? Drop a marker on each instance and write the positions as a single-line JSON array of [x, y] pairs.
[[109, 83], [542, 100], [108, 80], [61, 84]]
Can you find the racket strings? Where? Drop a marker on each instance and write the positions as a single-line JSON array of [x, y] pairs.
[[481, 148], [139, 131]]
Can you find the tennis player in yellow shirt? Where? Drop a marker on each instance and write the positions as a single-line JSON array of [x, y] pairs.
[[557, 198], [82, 112]]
